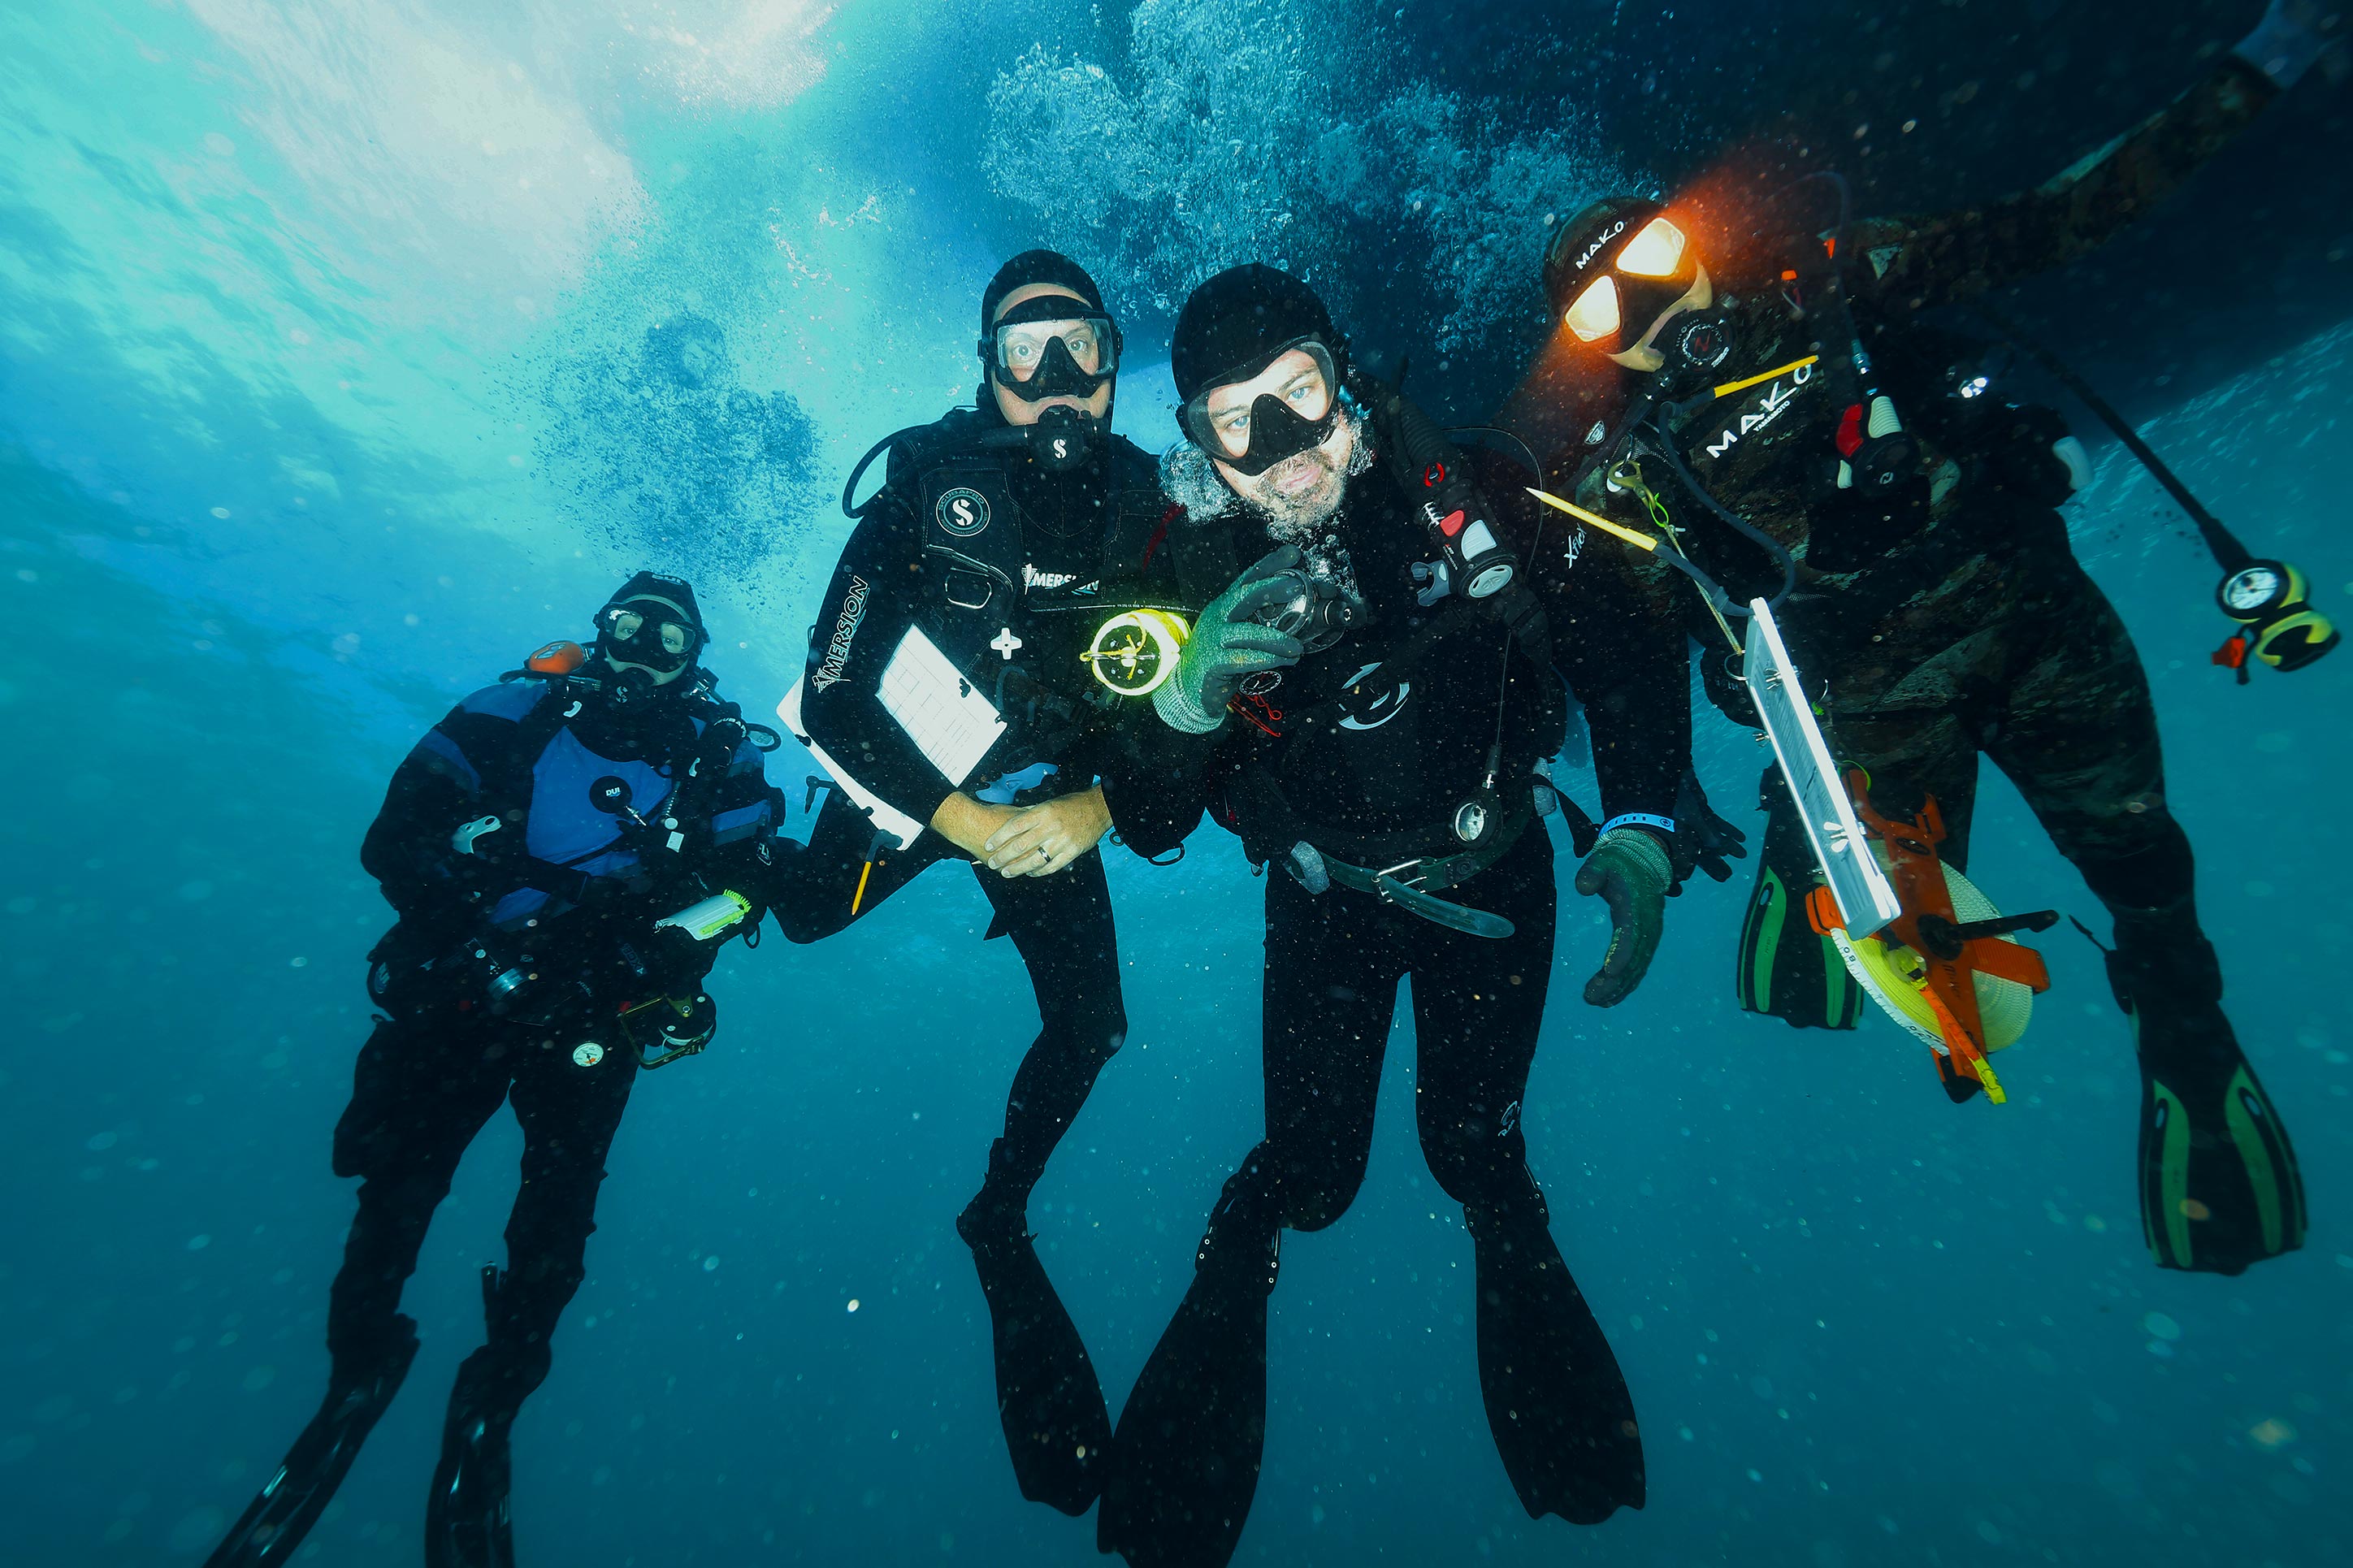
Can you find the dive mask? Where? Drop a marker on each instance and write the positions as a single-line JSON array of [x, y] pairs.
[[1293, 417], [651, 633], [1040, 349], [1636, 267]]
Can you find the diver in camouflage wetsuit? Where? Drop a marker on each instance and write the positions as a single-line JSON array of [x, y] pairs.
[[1934, 588]]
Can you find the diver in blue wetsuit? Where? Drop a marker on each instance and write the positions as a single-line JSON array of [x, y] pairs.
[[567, 851]]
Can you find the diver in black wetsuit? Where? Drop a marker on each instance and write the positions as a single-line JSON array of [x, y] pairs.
[[1003, 537], [1935, 590], [1381, 690], [535, 843]]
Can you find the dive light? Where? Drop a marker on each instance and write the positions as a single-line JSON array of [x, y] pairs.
[[2276, 624], [1136, 652], [714, 916]]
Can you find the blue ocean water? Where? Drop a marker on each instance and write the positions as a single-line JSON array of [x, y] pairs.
[[348, 351]]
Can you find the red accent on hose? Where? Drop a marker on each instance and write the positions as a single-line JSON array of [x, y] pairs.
[[1160, 535], [1850, 430]]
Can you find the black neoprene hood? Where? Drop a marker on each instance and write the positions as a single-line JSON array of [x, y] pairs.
[[1036, 267], [1233, 325]]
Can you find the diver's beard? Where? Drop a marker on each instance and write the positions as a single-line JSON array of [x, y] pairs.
[[1194, 481], [1298, 517]]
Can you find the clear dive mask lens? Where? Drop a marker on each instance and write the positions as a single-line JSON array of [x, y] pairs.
[[1024, 348], [1287, 415], [1655, 252], [1052, 346], [1595, 315], [647, 633]]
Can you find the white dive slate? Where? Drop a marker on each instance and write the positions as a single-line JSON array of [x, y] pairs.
[[1865, 898], [884, 815], [950, 723]]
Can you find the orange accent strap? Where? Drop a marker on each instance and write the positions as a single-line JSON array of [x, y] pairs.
[[2007, 961]]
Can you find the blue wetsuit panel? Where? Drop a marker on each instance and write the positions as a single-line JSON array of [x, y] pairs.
[[566, 824]]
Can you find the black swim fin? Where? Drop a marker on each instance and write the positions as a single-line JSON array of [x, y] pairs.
[[1047, 1396], [2218, 1180], [1556, 1403], [271, 1529], [2218, 1184], [1184, 1461], [467, 1524]]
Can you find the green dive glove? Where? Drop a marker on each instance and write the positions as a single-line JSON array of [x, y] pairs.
[[1228, 644], [1629, 871]]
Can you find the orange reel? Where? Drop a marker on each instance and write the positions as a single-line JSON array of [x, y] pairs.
[[1952, 952]]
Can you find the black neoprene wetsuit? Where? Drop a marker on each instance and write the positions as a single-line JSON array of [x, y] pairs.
[[1402, 756], [1066, 548], [1947, 612]]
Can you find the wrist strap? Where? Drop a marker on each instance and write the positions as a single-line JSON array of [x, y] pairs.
[[1665, 825]]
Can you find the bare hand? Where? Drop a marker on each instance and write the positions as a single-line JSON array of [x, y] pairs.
[[1040, 840], [967, 823]]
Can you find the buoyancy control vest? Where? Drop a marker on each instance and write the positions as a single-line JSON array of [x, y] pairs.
[[1407, 865], [559, 814], [978, 542]]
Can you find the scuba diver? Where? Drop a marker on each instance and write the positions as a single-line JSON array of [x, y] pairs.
[[1852, 456], [566, 852], [956, 695], [1381, 690]]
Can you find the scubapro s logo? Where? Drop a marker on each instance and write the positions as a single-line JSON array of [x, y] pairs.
[[963, 512]]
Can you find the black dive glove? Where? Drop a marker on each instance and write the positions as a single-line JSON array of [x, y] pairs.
[[1703, 841], [1628, 871]]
